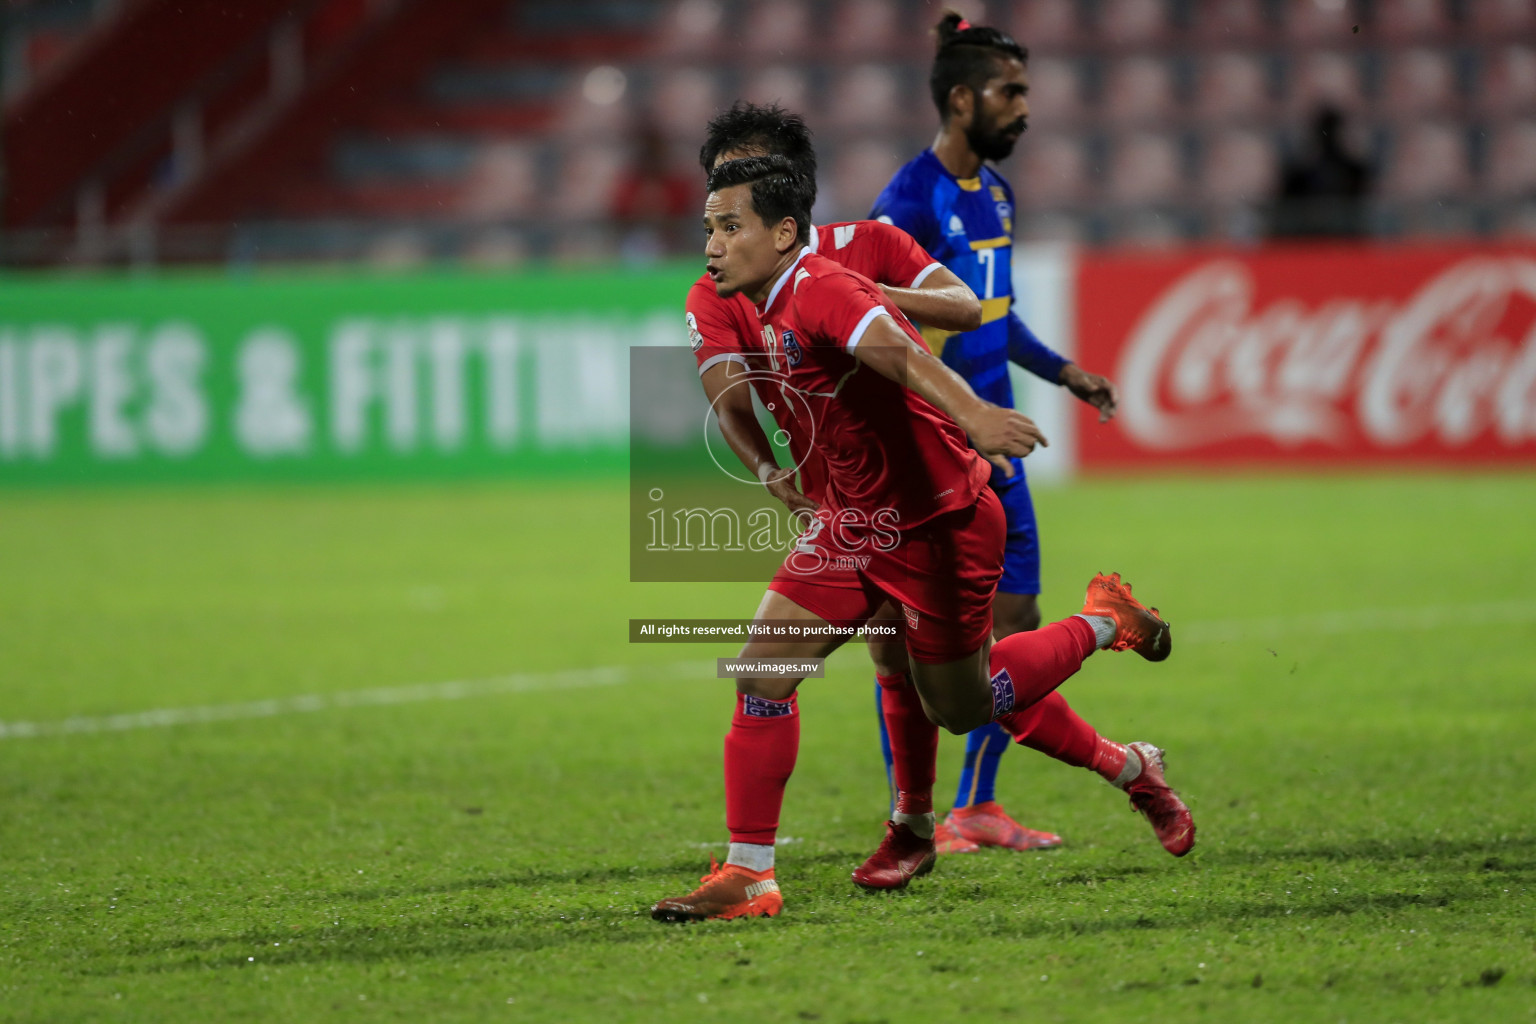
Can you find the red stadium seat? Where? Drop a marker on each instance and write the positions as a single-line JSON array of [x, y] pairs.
[[502, 182], [1429, 161], [1055, 94], [1046, 25], [585, 184], [1139, 91], [1052, 172], [778, 28], [1144, 168], [1399, 21], [1501, 19], [1329, 22], [1512, 160], [1324, 78], [1419, 81], [1508, 81], [1239, 166], [682, 100], [859, 172], [593, 108], [1231, 86], [866, 27], [1229, 22], [1133, 23], [785, 86], [690, 27], [866, 98]]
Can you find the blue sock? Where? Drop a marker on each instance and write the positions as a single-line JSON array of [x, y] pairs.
[[978, 778], [885, 748]]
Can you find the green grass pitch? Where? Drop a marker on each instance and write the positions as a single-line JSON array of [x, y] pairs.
[[1349, 710]]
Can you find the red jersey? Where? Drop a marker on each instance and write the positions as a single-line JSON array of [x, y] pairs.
[[727, 330], [885, 447]]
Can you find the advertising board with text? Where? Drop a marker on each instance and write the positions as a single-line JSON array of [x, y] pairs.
[[324, 376], [1312, 356]]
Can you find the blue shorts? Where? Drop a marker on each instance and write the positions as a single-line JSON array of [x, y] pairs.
[[1021, 550]]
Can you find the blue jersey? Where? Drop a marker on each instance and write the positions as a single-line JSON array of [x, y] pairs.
[[967, 225]]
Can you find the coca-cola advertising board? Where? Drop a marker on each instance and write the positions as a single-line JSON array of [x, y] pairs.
[[1310, 356]]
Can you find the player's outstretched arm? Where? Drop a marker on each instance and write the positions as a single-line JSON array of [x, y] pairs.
[[1038, 358], [732, 402], [1098, 391], [942, 300], [997, 433]]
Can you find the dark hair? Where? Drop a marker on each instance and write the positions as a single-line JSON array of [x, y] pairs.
[[779, 190], [770, 128], [967, 56]]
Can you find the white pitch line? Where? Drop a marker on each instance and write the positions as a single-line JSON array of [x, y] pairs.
[[375, 697], [1210, 632]]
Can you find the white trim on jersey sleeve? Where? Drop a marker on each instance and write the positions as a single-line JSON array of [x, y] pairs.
[[858, 332], [922, 275], [724, 357]]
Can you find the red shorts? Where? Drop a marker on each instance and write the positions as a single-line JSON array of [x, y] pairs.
[[943, 573]]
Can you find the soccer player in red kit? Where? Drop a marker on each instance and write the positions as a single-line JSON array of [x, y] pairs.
[[906, 502], [728, 345], [727, 342], [727, 338]]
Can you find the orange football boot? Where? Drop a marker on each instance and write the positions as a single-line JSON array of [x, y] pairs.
[[987, 824], [1136, 627], [729, 891], [947, 840]]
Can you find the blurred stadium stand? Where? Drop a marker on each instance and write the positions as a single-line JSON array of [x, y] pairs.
[[493, 132]]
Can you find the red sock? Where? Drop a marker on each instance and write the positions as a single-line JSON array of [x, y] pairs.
[[1109, 759], [914, 744], [1052, 727], [1027, 666], [760, 754]]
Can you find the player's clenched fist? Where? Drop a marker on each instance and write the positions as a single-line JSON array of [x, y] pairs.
[[1000, 434]]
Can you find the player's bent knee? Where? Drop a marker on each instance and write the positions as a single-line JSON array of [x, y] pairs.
[[960, 721], [966, 725], [955, 718]]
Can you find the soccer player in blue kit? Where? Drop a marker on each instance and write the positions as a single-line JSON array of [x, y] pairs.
[[961, 211]]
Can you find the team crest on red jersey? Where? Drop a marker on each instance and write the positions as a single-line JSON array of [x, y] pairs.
[[792, 350]]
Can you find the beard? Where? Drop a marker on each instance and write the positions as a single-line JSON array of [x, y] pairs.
[[995, 143]]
